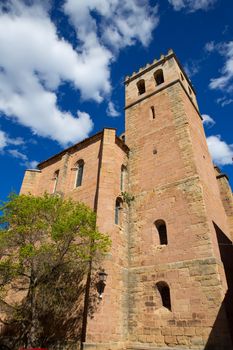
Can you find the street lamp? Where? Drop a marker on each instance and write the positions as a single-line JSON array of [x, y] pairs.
[[100, 285]]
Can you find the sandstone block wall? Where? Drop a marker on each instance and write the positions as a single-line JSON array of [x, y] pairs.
[[172, 178]]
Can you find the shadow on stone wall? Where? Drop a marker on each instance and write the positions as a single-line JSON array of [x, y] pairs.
[[221, 337], [59, 327]]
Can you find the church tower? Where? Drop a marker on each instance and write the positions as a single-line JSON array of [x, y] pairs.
[[178, 266], [169, 215]]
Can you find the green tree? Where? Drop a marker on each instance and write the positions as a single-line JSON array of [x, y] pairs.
[[47, 245]]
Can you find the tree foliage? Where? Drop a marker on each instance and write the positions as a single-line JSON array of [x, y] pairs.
[[46, 245]]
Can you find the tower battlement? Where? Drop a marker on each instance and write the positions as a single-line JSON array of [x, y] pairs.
[[155, 77], [149, 66]]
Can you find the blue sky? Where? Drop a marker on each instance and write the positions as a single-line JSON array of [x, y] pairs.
[[63, 64]]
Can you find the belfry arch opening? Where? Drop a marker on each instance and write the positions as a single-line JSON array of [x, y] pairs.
[[161, 229], [158, 76], [141, 87]]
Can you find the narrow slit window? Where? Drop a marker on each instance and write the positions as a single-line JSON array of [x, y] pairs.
[[79, 175], [162, 231], [164, 292], [182, 77], [158, 76], [55, 180], [123, 178], [190, 91], [152, 112], [118, 206], [141, 87]]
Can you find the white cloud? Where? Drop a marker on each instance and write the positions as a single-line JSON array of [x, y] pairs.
[[224, 101], [16, 154], [5, 140], [224, 81], [34, 61], [192, 67], [192, 5], [24, 161], [220, 151], [120, 23], [207, 120], [111, 110], [32, 164], [210, 46]]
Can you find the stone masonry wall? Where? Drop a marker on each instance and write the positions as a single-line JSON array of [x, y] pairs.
[[103, 158], [169, 179], [109, 325]]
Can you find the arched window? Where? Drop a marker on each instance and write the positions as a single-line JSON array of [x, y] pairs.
[[141, 87], [123, 177], [162, 231], [118, 208], [55, 180], [182, 77], [79, 173], [164, 292], [190, 91], [158, 75]]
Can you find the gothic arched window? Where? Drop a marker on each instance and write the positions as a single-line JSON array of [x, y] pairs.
[[55, 180], [162, 231], [118, 208], [79, 173], [159, 78], [141, 87], [164, 292]]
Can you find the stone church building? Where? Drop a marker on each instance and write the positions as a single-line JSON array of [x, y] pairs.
[[168, 211]]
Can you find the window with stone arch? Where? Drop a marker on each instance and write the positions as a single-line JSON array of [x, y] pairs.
[[158, 76], [123, 177], [161, 229], [164, 292], [118, 210], [141, 87], [79, 173], [55, 180]]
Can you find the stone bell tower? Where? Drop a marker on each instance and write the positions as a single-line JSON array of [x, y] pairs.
[[168, 212], [177, 269]]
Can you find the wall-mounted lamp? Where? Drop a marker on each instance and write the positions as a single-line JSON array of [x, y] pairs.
[[100, 285]]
